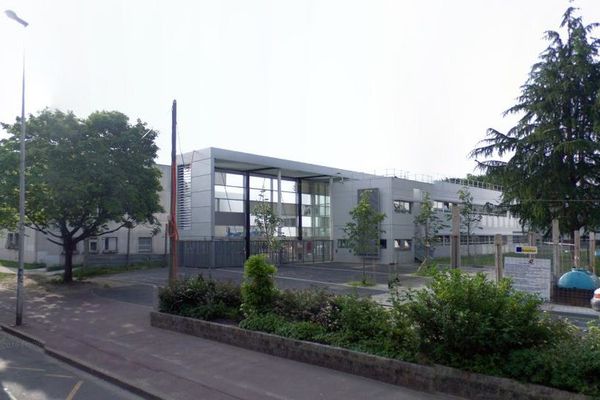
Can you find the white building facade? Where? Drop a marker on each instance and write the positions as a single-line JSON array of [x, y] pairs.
[[217, 189]]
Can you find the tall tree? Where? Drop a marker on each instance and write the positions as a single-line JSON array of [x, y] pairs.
[[429, 223], [363, 232], [84, 177], [554, 149], [469, 217]]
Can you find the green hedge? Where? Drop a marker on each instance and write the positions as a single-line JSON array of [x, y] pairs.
[[201, 298], [459, 320]]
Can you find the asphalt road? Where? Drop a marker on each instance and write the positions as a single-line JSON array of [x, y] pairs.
[[27, 373], [139, 287]]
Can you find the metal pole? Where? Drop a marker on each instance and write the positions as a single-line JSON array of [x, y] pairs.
[[20, 288], [555, 247], [173, 223], [577, 249], [20, 273]]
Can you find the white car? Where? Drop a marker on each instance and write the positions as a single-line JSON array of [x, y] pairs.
[[596, 300]]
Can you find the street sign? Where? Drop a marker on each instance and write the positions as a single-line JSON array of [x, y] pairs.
[[526, 250]]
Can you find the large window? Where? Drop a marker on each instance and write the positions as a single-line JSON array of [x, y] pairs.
[[230, 212], [229, 205], [316, 207]]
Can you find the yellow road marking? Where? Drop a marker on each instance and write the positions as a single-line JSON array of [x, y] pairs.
[[59, 376], [74, 390], [27, 369]]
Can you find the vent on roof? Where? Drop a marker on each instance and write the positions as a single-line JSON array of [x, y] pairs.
[[184, 197]]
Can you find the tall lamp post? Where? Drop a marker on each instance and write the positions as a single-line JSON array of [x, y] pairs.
[[19, 320]]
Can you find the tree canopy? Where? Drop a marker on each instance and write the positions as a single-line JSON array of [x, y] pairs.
[[363, 232], [84, 177], [554, 149]]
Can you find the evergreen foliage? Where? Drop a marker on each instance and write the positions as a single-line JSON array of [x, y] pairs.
[[554, 149]]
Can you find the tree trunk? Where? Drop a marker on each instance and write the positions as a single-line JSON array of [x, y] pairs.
[[68, 248]]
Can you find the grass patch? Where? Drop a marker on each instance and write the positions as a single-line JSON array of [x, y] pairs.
[[5, 276], [362, 283], [90, 272], [15, 264]]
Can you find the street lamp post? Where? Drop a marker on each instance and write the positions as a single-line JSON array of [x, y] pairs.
[[19, 320]]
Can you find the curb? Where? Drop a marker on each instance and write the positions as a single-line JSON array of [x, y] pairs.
[[436, 379], [82, 365]]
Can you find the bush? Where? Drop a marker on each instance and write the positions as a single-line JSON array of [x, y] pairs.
[[201, 298], [276, 324], [258, 287], [464, 320], [573, 363], [302, 305]]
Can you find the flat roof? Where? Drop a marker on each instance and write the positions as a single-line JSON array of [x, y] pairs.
[[245, 162]]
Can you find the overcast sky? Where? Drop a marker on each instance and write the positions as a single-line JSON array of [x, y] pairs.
[[360, 85]]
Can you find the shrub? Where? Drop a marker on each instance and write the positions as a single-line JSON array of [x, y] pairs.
[[258, 287], [302, 305], [201, 298], [573, 363], [462, 320], [276, 324]]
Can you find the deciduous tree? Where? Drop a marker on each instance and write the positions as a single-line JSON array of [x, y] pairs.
[[85, 177]]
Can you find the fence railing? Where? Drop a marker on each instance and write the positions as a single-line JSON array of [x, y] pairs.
[[232, 253]]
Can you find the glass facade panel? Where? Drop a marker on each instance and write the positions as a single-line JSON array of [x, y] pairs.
[[315, 209], [229, 198], [229, 231]]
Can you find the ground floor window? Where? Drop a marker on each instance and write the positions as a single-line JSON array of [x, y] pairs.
[[145, 245], [110, 245], [403, 244]]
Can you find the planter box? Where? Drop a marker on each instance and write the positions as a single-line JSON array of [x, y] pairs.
[[432, 379]]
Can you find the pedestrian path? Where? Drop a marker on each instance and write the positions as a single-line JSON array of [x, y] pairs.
[[114, 339]]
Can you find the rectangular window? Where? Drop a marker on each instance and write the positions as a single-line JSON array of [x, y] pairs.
[[383, 243], [12, 240], [93, 245], [145, 245], [342, 244], [403, 244], [401, 206], [441, 206], [110, 245]]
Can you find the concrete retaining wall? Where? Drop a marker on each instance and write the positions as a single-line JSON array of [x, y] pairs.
[[420, 377]]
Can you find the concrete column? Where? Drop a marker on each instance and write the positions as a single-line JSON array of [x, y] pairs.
[[499, 261], [577, 248], [455, 238], [592, 252], [279, 204]]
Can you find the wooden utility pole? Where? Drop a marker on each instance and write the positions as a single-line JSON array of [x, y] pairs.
[[173, 217], [592, 252]]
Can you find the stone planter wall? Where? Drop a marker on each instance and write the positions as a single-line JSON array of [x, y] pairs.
[[420, 377]]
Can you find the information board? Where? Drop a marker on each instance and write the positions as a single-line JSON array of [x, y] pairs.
[[529, 275]]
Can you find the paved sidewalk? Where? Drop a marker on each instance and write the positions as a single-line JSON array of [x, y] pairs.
[[114, 339]]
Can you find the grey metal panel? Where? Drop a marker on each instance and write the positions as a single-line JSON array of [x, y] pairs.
[[229, 218]]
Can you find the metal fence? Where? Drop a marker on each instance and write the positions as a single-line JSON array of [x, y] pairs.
[[481, 253], [232, 253]]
